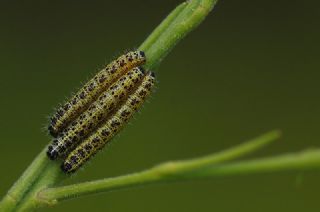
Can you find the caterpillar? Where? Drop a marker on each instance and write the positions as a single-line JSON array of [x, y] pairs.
[[113, 125], [92, 89], [95, 114]]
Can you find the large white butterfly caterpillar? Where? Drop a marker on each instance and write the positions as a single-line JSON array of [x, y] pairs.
[[97, 112], [112, 126], [92, 89]]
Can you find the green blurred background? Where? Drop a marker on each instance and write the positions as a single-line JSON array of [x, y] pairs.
[[251, 67]]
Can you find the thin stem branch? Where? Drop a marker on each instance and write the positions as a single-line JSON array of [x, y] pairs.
[[162, 173], [305, 160]]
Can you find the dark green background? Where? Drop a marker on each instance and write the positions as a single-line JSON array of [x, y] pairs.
[[251, 67]]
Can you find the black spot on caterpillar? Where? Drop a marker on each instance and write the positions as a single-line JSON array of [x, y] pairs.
[[112, 126], [96, 113], [92, 89]]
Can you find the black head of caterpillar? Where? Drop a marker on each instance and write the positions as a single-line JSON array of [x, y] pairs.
[[92, 89], [111, 127], [96, 113]]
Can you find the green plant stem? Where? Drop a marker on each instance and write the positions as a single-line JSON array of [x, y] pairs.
[[166, 172], [24, 183], [168, 34], [40, 172], [162, 27], [50, 176]]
